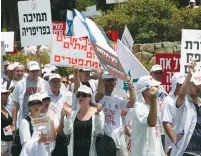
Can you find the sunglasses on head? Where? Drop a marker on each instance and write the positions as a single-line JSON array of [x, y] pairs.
[[46, 99], [82, 94], [6, 93], [34, 103]]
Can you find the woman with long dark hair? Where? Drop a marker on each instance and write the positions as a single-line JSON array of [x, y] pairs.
[[84, 124]]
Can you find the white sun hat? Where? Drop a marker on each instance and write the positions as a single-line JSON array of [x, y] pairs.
[[54, 76], [84, 89], [33, 65], [156, 67]]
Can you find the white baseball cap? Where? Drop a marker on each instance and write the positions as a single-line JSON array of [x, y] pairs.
[[156, 67], [10, 67], [146, 82], [192, 1], [44, 95], [46, 70], [33, 65], [107, 75], [54, 76], [6, 63], [3, 88], [196, 78], [178, 78], [35, 97], [46, 75], [53, 68], [47, 66], [84, 89], [71, 76]]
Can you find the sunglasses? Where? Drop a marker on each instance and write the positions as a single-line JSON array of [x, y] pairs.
[[82, 94], [46, 99], [5, 94], [64, 82], [34, 103]]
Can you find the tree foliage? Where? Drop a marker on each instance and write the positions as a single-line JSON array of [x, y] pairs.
[[151, 21]]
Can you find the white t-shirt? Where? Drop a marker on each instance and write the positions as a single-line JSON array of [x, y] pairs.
[[169, 115], [146, 141], [64, 97], [111, 106], [159, 111]]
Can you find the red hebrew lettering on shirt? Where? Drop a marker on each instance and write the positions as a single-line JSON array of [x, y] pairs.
[[56, 58], [157, 131], [109, 116], [59, 38], [73, 40], [32, 90], [129, 145]]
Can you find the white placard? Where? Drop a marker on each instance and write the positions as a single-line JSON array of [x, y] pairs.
[[8, 38], [67, 51], [35, 23], [190, 48], [114, 1], [127, 39]]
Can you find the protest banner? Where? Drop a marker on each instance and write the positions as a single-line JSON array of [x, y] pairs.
[[170, 64], [42, 125], [110, 62], [127, 39], [67, 51], [190, 48], [8, 38], [59, 27], [35, 23]]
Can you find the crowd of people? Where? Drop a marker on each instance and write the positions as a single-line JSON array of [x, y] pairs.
[[83, 108]]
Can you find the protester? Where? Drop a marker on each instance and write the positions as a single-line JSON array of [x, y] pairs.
[[26, 87], [188, 137], [157, 74], [111, 107], [17, 76], [145, 137], [83, 125], [5, 71], [10, 71], [31, 141], [192, 4], [59, 99], [169, 111], [82, 77], [66, 83], [6, 121]]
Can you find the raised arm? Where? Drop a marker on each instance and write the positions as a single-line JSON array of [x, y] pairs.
[[152, 117], [101, 90], [184, 88], [76, 79], [132, 97]]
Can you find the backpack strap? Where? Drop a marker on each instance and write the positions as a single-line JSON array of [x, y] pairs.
[[30, 125]]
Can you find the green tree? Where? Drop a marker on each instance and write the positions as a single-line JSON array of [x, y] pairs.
[[82, 4], [151, 21]]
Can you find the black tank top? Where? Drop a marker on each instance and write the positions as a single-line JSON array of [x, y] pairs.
[[4, 123]]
